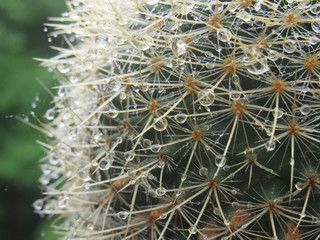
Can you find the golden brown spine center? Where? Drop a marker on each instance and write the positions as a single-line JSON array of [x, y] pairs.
[[155, 63], [238, 107], [311, 63], [212, 183], [290, 19], [245, 3], [153, 107], [229, 66], [278, 86], [191, 84], [215, 21], [292, 129], [197, 135]]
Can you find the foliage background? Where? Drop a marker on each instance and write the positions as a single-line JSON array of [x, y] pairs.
[[22, 38]]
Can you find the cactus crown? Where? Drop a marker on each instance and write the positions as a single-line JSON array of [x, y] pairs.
[[185, 120]]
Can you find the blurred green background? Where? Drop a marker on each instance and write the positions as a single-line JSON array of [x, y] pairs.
[[22, 38]]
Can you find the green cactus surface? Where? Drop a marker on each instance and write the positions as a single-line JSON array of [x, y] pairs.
[[184, 119]]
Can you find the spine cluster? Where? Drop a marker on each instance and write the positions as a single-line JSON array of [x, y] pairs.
[[192, 119]]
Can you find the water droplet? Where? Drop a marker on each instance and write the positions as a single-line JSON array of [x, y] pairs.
[[86, 185], [289, 47], [273, 55], [313, 40], [114, 84], [101, 41], [61, 91], [299, 185], [44, 180], [123, 214], [292, 161], [38, 204], [178, 193], [192, 230], [163, 215], [208, 54], [235, 95], [244, 226], [73, 78], [129, 155], [206, 97], [216, 211], [305, 110], [45, 169], [155, 148], [132, 182], [315, 220], [161, 191], [183, 8], [33, 104], [151, 2], [118, 140], [123, 20], [277, 200], [210, 65], [258, 66], [160, 124], [233, 7], [161, 164], [123, 95], [142, 45], [53, 160], [180, 47], [257, 6], [278, 113], [226, 168], [63, 67], [171, 24], [224, 35], [104, 164], [113, 113], [235, 204], [144, 87], [90, 227], [220, 161], [315, 25], [62, 202], [270, 145], [84, 175], [45, 29], [234, 191], [235, 80], [183, 177], [147, 143], [244, 16], [181, 117], [315, 9], [226, 222], [203, 171]]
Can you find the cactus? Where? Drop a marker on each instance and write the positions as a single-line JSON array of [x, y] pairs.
[[192, 119]]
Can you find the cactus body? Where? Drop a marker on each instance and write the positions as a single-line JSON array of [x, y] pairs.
[[185, 120]]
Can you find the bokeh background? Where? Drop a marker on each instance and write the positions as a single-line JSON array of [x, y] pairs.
[[21, 39]]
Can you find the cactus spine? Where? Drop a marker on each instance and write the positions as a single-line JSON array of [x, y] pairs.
[[185, 120]]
